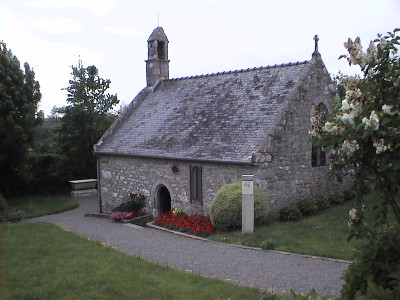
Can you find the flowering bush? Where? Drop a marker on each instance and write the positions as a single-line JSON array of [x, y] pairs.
[[136, 202], [178, 212], [123, 215], [196, 224], [363, 135], [354, 218]]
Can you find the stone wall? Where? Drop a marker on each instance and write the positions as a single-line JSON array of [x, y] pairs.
[[285, 172], [121, 175]]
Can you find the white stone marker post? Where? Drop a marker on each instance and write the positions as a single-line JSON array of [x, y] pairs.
[[247, 203]]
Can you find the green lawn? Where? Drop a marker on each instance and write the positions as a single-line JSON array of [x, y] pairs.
[[42, 261], [35, 206], [322, 235]]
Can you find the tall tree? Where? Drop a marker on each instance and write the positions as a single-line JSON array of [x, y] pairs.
[[85, 118], [19, 100]]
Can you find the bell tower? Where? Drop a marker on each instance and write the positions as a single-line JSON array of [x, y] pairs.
[[157, 63]]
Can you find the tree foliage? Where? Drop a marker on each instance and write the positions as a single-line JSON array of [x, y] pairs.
[[85, 119], [19, 100], [363, 136], [44, 172]]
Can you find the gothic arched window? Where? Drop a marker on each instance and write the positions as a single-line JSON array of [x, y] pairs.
[[318, 156]]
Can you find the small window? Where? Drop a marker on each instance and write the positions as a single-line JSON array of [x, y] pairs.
[[196, 185], [318, 156], [161, 50]]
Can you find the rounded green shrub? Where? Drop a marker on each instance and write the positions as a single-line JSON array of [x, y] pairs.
[[322, 203], [290, 213], [226, 207], [335, 198], [307, 206]]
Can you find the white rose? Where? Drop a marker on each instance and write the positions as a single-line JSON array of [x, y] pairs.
[[345, 105]]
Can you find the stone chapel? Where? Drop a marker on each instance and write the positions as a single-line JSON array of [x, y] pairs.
[[181, 139]]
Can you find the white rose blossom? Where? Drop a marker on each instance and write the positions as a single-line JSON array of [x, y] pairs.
[[330, 127], [372, 51], [356, 107], [371, 72], [357, 56], [350, 146], [387, 109], [348, 118], [371, 122], [381, 146], [345, 105], [350, 82], [353, 217], [353, 214], [354, 94]]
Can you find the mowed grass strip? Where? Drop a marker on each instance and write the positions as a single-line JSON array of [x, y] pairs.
[[323, 235], [36, 206], [42, 261]]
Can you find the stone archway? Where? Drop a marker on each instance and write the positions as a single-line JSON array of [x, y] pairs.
[[163, 199]]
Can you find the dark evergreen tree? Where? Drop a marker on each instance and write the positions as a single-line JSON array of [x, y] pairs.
[[45, 162], [19, 100], [86, 117]]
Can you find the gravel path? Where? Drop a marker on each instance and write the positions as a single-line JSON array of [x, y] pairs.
[[266, 270]]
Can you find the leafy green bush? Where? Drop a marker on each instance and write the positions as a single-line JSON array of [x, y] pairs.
[[322, 203], [376, 272], [336, 198], [349, 194], [340, 196], [290, 213], [311, 205], [226, 207], [307, 206]]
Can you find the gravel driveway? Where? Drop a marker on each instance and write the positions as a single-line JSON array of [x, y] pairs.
[[266, 270]]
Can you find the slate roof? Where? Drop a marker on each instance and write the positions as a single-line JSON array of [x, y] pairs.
[[221, 117]]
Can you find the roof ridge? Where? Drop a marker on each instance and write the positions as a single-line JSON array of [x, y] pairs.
[[239, 71]]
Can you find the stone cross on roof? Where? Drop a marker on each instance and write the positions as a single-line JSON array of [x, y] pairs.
[[316, 52], [316, 39]]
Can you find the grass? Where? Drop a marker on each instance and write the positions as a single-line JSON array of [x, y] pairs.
[[42, 261], [322, 235], [35, 206]]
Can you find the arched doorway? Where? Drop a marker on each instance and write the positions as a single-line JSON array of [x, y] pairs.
[[163, 199]]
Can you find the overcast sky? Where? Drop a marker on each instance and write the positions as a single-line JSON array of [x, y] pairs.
[[204, 36]]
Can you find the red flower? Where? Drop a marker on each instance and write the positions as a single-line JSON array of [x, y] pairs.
[[196, 224]]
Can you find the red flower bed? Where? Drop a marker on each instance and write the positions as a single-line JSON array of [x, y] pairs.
[[194, 224]]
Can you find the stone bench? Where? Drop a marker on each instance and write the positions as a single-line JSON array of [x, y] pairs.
[[83, 188]]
